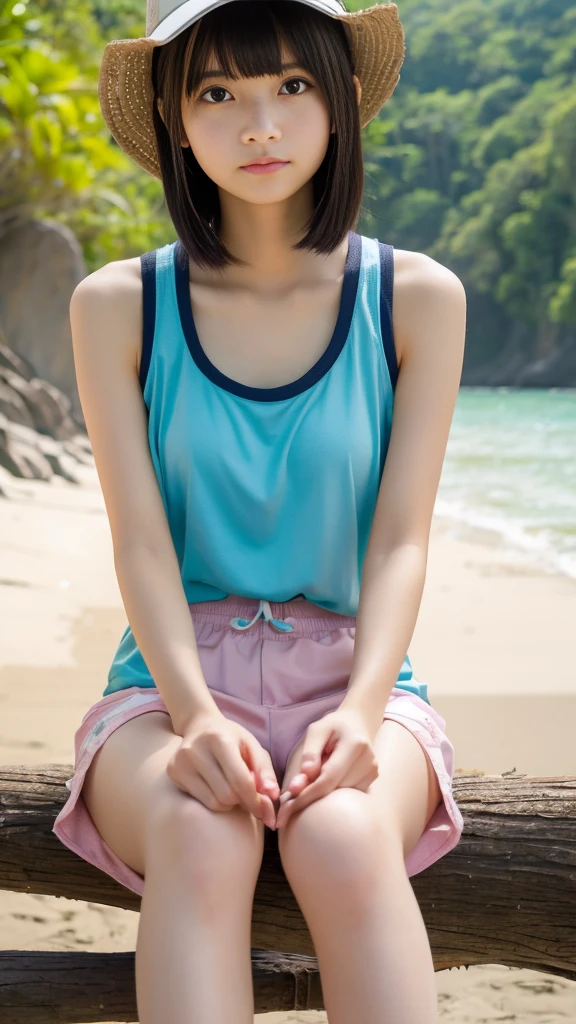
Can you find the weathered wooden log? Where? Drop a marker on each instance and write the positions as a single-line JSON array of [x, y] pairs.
[[80, 988], [505, 895]]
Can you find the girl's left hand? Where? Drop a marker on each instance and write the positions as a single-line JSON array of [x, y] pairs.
[[335, 751]]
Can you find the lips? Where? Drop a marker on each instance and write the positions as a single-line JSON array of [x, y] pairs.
[[265, 167], [270, 165], [265, 160]]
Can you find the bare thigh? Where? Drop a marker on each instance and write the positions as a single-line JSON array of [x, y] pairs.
[[126, 777], [407, 790]]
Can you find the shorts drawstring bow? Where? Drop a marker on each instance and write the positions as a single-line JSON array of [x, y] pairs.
[[265, 610]]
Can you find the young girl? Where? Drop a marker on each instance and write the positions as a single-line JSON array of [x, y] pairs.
[[268, 400]]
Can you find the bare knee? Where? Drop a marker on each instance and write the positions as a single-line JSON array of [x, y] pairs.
[[337, 848], [214, 852]]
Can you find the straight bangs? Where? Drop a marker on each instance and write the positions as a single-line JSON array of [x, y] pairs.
[[246, 38], [241, 49]]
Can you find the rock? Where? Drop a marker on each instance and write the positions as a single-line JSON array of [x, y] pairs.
[[24, 460], [40, 265], [47, 406], [53, 407], [13, 406], [514, 367], [82, 441], [78, 452], [18, 457], [33, 456], [33, 401], [558, 370], [38, 436], [11, 360], [40, 431]]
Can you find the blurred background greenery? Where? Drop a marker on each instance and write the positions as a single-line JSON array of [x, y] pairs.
[[471, 160]]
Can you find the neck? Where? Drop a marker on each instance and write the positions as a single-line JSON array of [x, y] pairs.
[[263, 235]]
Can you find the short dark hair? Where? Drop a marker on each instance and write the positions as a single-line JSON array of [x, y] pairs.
[[247, 43]]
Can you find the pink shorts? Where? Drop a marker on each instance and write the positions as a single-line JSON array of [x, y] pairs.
[[275, 684]]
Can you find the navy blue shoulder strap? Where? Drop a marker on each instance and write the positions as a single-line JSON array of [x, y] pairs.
[[148, 271], [386, 294]]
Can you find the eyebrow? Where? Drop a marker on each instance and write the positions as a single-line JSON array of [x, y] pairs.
[[218, 73]]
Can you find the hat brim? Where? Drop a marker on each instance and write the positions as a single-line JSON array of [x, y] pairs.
[[126, 93], [186, 13]]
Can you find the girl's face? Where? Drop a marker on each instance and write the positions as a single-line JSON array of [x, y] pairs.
[[231, 122]]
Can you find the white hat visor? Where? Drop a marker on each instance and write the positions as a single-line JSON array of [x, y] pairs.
[[170, 17]]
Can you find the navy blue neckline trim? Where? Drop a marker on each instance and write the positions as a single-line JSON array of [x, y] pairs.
[[148, 272], [386, 295], [314, 374]]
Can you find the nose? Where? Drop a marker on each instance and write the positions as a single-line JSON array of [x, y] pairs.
[[261, 125]]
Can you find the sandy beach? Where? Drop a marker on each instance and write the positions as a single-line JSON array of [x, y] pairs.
[[494, 642]]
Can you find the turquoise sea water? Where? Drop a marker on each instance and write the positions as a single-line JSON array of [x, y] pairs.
[[510, 467]]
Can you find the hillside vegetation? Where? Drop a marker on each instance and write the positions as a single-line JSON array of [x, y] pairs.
[[471, 160]]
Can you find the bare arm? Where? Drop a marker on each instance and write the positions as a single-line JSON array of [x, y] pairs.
[[429, 325], [106, 319]]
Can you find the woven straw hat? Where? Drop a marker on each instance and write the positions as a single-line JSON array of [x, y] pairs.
[[125, 86]]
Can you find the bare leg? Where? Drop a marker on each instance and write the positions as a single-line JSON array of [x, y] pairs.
[[193, 951], [344, 858], [200, 869]]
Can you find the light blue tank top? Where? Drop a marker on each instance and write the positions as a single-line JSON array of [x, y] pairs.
[[269, 492]]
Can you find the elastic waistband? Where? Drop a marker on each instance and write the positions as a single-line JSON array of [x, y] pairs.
[[308, 617]]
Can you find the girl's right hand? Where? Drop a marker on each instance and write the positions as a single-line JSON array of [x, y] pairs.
[[222, 764]]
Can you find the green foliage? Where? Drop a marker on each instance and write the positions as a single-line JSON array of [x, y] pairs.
[[56, 156], [471, 160]]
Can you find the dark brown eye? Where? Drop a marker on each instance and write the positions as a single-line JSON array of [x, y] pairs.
[[215, 89], [295, 82]]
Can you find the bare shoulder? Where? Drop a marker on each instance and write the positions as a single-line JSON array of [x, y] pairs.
[[117, 282], [109, 302], [426, 293]]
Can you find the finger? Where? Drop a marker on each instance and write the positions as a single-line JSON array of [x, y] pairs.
[[366, 782], [293, 794], [317, 737], [207, 766], [190, 777], [362, 772], [356, 782], [266, 785], [370, 777], [291, 806], [333, 772], [294, 786], [311, 761], [204, 780], [198, 789], [313, 791], [242, 781], [210, 770], [260, 762], [348, 759], [266, 780], [261, 771]]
